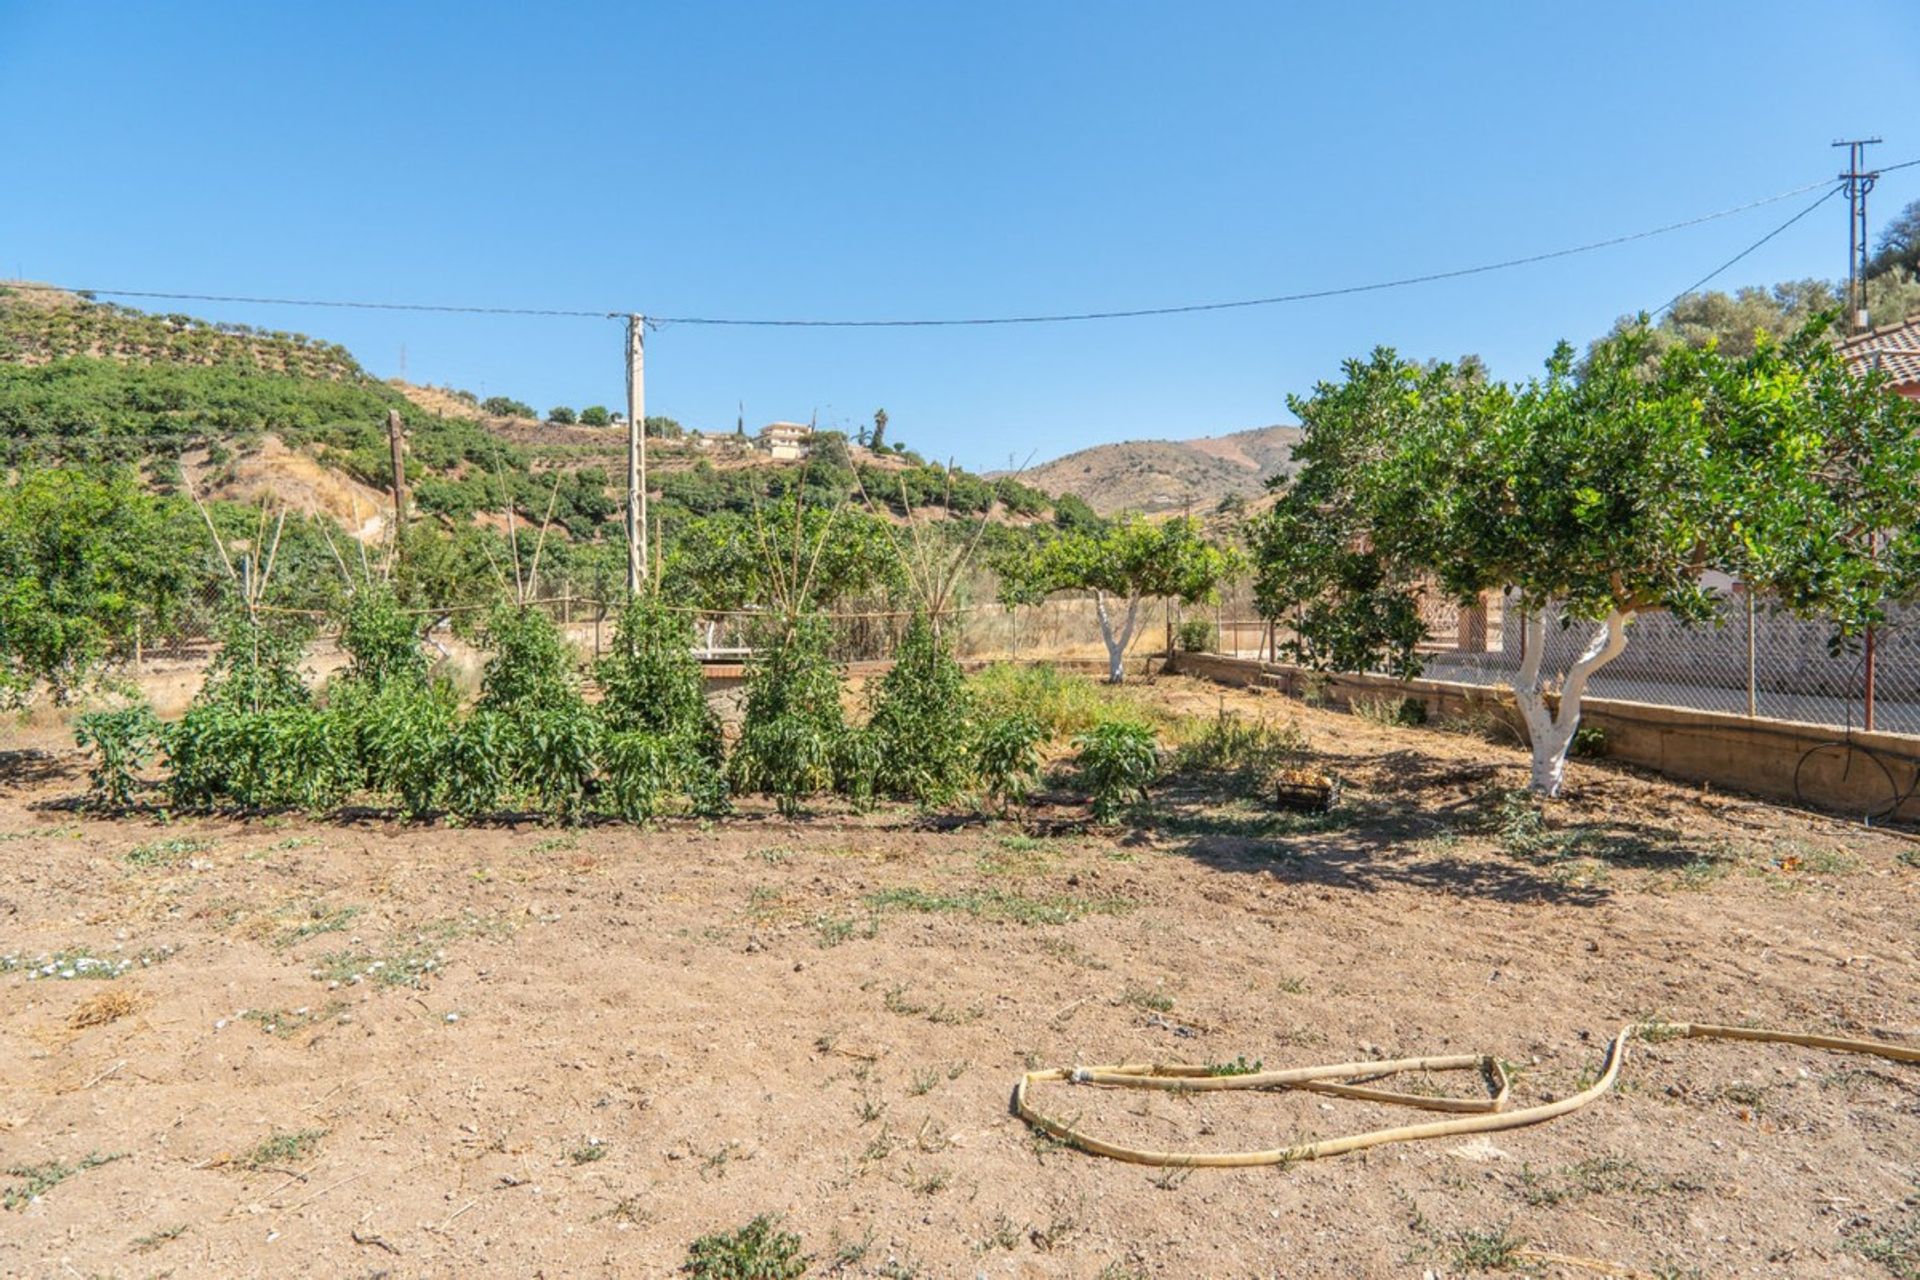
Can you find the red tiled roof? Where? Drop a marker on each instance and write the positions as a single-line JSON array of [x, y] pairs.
[[1894, 348]]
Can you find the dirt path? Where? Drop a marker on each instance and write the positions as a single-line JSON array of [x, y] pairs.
[[363, 1048]]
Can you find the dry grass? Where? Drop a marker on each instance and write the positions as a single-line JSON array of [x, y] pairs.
[[99, 1010]]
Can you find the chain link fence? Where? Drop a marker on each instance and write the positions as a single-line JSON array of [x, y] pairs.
[[1752, 659]]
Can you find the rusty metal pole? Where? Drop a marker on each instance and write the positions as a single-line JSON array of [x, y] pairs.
[[1868, 711]]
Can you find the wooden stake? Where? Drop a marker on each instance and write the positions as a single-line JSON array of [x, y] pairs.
[[399, 478]]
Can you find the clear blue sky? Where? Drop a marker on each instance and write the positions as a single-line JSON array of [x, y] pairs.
[[880, 159]]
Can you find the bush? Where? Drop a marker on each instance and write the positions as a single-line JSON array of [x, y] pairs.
[[792, 720], [595, 415], [554, 752], [561, 416], [258, 665], [123, 740], [532, 668], [404, 733], [382, 641], [921, 720], [652, 681], [1007, 757], [1197, 635], [638, 769], [478, 762], [1118, 762], [506, 407]]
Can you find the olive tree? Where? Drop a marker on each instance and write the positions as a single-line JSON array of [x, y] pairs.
[[1609, 488], [1124, 563]]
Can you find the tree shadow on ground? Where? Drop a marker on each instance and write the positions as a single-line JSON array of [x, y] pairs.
[[28, 768], [1420, 822]]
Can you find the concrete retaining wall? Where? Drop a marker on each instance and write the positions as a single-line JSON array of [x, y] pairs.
[[1760, 756]]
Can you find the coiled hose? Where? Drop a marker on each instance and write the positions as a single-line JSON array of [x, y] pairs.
[[1344, 1079]]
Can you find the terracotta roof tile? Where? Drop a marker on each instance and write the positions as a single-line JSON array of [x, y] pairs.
[[1894, 348]]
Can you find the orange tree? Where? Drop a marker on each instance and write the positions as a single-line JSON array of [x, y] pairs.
[[1609, 488]]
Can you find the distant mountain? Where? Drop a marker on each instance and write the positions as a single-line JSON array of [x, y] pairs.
[[1168, 475]]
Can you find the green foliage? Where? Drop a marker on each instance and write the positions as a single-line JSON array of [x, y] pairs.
[[479, 763], [381, 639], [757, 1251], [1611, 488], [1063, 703], [404, 734], [1130, 560], [595, 415], [1118, 762], [257, 667], [792, 717], [507, 407], [922, 720], [87, 559], [554, 753], [1007, 756], [123, 740], [859, 760], [531, 667], [560, 415], [640, 768], [1197, 635], [651, 680]]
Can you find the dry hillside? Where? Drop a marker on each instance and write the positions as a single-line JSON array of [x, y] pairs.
[[1167, 475]]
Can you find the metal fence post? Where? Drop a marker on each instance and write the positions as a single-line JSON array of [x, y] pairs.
[[1869, 681], [1753, 691]]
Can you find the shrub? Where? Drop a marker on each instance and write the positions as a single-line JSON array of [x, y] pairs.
[[478, 762], [1118, 762], [1197, 635], [792, 718], [757, 1251], [921, 720], [595, 415], [554, 752], [561, 416], [123, 740], [859, 762], [382, 640], [257, 667], [638, 768], [531, 668], [652, 681], [1007, 756], [403, 734], [506, 407]]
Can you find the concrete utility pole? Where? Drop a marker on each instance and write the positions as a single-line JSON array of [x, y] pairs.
[[394, 437], [1859, 181], [636, 453]]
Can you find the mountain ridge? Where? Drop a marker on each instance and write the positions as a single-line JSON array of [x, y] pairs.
[[1170, 475]]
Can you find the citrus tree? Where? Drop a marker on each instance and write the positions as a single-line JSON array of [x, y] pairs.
[[1610, 488], [1122, 564]]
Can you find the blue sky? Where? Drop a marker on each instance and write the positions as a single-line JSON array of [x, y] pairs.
[[886, 159]]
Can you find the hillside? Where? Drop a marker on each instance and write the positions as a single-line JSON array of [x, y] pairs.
[[1168, 475], [245, 414]]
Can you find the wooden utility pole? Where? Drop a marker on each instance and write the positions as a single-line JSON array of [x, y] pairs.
[[399, 478], [636, 453]]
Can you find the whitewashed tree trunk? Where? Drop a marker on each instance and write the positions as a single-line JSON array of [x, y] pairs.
[[1551, 733], [1117, 642]]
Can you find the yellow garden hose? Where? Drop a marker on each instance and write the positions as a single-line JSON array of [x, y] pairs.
[[1341, 1079]]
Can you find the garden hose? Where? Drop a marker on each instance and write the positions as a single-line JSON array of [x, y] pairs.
[[1345, 1080]]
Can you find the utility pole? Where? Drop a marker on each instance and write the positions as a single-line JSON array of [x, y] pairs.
[[1859, 181], [394, 438], [636, 453]]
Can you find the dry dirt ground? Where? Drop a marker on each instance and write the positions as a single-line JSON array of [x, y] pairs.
[[361, 1048]]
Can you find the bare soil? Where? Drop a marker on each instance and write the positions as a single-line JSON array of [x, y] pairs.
[[358, 1047]]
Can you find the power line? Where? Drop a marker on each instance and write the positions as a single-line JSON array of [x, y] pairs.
[[974, 321], [1832, 191]]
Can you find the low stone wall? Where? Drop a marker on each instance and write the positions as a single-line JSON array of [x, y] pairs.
[[1779, 759]]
